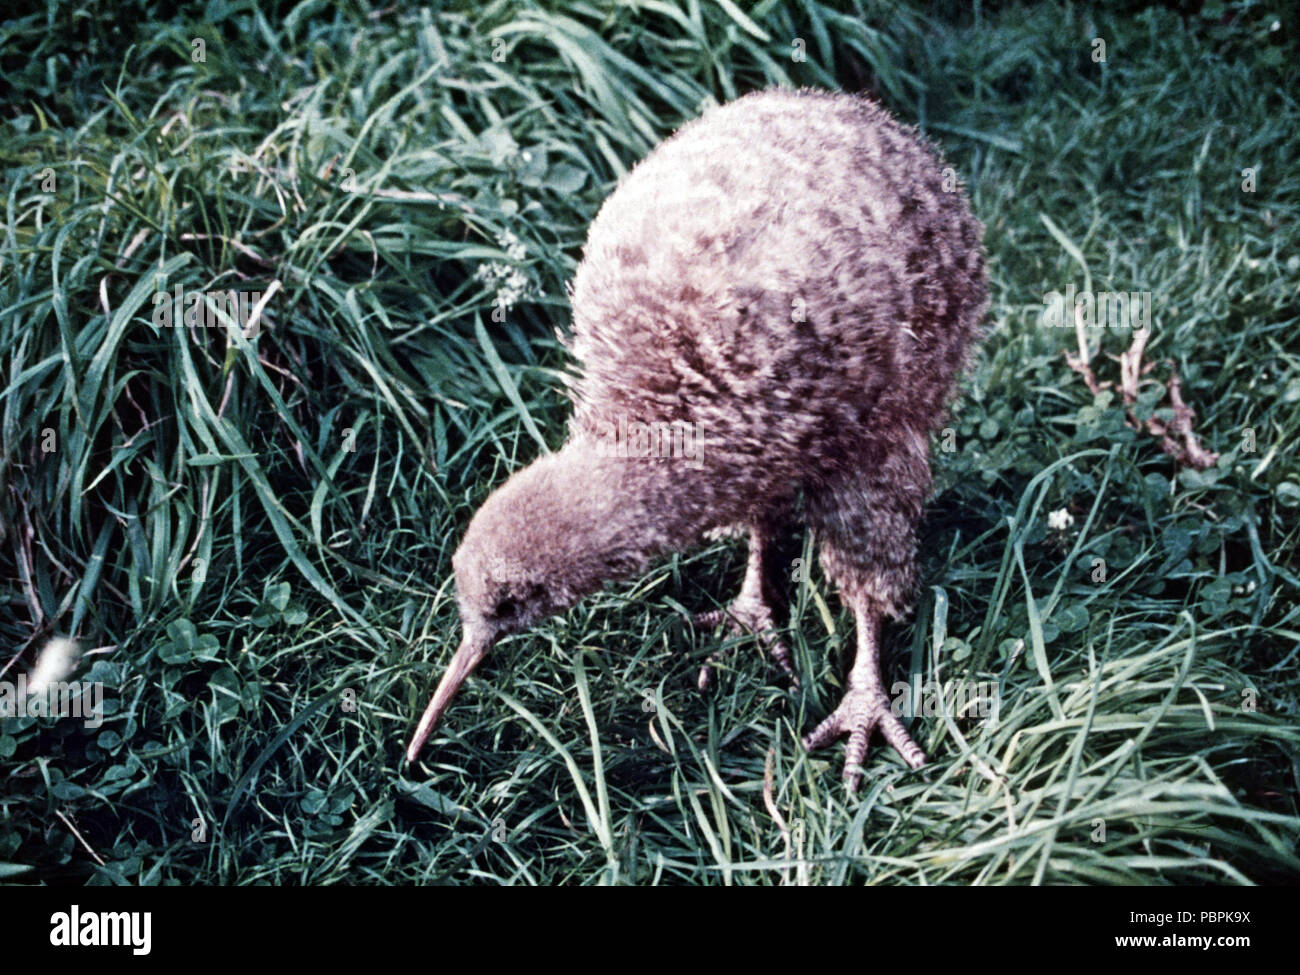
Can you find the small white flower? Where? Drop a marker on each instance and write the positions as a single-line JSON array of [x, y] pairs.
[[510, 283], [55, 664], [514, 247], [1060, 520]]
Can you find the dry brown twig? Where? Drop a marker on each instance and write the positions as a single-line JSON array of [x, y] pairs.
[[770, 803], [1178, 438], [80, 839]]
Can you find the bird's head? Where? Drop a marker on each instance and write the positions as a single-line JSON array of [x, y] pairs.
[[553, 533]]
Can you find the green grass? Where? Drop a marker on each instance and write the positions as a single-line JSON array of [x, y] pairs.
[[253, 536]]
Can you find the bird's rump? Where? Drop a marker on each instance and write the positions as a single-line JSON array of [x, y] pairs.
[[769, 275]]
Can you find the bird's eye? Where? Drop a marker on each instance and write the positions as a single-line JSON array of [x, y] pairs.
[[506, 607]]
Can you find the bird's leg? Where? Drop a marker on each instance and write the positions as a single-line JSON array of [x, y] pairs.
[[865, 706], [751, 611]]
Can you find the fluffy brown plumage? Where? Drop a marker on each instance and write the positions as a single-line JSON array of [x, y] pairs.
[[794, 281]]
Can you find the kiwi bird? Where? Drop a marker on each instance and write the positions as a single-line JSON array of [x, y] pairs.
[[774, 306]]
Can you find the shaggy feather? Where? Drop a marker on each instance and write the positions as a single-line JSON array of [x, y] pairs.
[[796, 278]]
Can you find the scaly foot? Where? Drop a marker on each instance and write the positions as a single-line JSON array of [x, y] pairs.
[[745, 614], [861, 711]]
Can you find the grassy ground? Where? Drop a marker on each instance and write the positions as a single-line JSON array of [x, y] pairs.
[[253, 536]]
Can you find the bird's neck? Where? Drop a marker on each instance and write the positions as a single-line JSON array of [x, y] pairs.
[[645, 504]]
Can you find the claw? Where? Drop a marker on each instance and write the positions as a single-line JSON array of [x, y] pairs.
[[740, 620], [709, 618], [858, 714]]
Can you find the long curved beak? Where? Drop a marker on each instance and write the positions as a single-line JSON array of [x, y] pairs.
[[474, 646]]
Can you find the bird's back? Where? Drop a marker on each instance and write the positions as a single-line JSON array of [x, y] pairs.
[[791, 274]]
